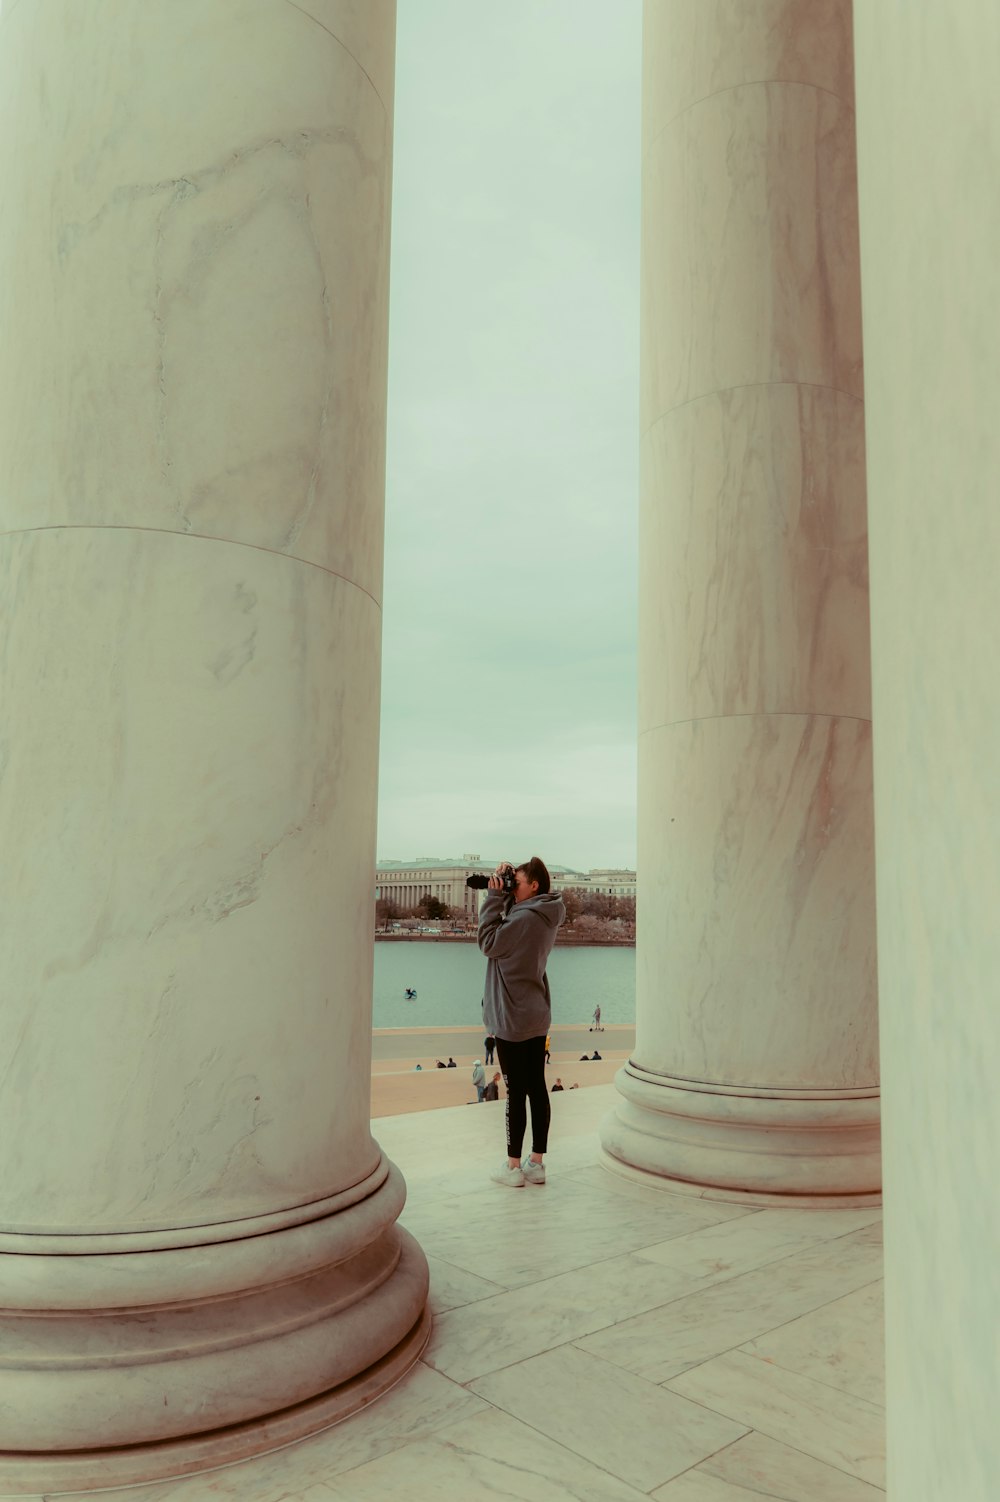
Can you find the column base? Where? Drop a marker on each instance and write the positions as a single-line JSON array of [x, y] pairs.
[[93, 1470], [319, 1320], [743, 1144]]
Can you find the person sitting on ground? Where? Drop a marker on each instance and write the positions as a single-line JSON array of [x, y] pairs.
[[595, 1054], [418, 1066], [451, 1063], [492, 1091], [440, 1064], [585, 1058], [479, 1078], [558, 1085], [575, 1085]]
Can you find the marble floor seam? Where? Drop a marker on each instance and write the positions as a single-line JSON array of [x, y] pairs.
[[550, 1439], [791, 1372], [673, 1297], [439, 1435], [795, 1318]]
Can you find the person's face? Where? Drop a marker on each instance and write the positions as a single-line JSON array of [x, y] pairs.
[[523, 887]]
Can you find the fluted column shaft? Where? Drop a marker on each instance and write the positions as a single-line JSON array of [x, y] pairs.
[[193, 296], [929, 162], [755, 1067]]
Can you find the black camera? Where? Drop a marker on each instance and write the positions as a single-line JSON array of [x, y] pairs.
[[479, 881]]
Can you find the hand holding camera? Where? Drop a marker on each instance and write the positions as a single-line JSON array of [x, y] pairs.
[[502, 879]]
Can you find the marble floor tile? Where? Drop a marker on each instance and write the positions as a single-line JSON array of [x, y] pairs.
[[462, 1230], [605, 1179], [842, 1343], [450, 1152], [664, 1342], [491, 1456], [519, 1236], [698, 1486], [872, 1233], [762, 1465], [758, 1469], [638, 1431], [470, 1175], [843, 1431], [467, 1175], [429, 1439], [451, 1287], [483, 1337], [737, 1246]]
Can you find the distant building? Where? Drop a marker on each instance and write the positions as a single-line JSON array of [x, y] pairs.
[[406, 883], [610, 883], [613, 882]]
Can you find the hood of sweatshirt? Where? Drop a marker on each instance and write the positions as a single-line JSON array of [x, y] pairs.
[[548, 905]]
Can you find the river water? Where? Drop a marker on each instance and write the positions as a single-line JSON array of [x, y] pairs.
[[448, 980]]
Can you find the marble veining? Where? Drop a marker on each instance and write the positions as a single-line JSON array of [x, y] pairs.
[[667, 1341], [757, 964], [692, 49], [619, 1422], [756, 942], [220, 287], [202, 887], [750, 248], [843, 1431], [927, 91], [755, 588], [841, 1343], [546, 1419]]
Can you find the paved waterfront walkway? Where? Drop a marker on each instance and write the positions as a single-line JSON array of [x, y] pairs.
[[397, 1088]]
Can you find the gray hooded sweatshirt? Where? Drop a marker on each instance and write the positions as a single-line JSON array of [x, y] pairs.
[[517, 945]]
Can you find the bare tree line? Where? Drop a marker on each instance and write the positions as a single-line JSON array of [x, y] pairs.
[[597, 916]]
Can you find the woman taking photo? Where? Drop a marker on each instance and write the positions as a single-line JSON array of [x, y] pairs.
[[516, 933]]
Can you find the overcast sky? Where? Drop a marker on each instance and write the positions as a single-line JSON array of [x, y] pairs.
[[508, 693]]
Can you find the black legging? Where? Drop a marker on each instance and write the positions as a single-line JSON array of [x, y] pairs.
[[523, 1068]]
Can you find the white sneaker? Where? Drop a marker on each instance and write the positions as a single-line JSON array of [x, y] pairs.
[[512, 1177], [534, 1173]]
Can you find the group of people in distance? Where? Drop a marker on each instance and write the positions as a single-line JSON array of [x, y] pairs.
[[484, 1091]]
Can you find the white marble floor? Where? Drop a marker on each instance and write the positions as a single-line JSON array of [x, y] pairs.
[[606, 1342]]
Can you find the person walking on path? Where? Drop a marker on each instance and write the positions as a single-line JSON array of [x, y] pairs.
[[479, 1078], [548, 1048], [516, 933], [489, 1044]]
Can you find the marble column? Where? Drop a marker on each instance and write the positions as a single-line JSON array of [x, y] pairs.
[[755, 1066], [929, 163], [198, 1244]]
